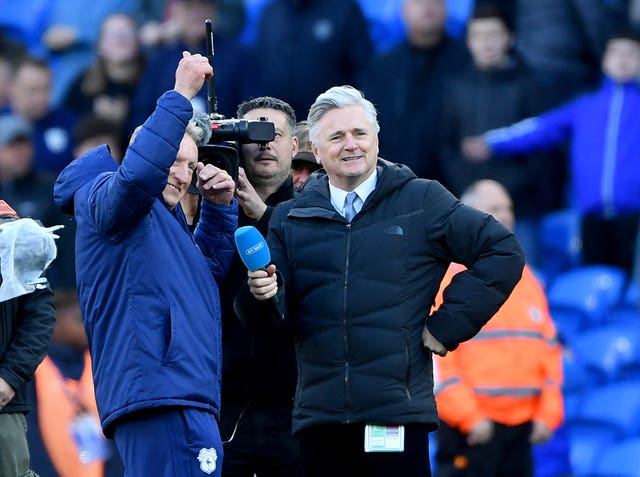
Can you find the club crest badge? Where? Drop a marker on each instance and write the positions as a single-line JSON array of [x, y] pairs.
[[208, 459]]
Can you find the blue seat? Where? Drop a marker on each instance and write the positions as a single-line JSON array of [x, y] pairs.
[[560, 243], [608, 351], [569, 323], [572, 403], [622, 459], [613, 407], [631, 296], [624, 316], [586, 444], [577, 377], [589, 290]]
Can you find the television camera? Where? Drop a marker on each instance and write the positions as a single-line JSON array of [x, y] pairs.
[[222, 149]]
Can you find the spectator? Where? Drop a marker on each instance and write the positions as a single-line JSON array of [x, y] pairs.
[[492, 413], [407, 84], [63, 402], [92, 131], [563, 42], [259, 371], [356, 281], [159, 27], [304, 162], [300, 48], [231, 61], [30, 191], [69, 37], [605, 137], [107, 86], [27, 324], [493, 91], [30, 94], [10, 53], [385, 22], [163, 323]]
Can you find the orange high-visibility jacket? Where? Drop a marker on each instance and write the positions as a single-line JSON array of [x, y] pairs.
[[511, 371], [59, 399]]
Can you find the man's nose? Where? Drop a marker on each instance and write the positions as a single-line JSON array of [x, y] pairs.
[[264, 146], [182, 173], [350, 142]]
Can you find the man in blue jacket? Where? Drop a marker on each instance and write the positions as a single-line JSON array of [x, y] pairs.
[[148, 288], [360, 253], [604, 132]]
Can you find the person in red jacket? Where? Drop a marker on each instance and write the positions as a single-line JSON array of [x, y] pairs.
[[500, 392]]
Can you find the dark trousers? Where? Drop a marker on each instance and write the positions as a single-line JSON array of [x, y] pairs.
[[610, 241], [508, 454], [257, 440], [338, 451]]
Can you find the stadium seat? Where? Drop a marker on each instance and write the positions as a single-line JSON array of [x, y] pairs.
[[624, 316], [589, 290], [577, 377], [572, 402], [631, 297], [608, 351], [622, 459], [569, 323], [586, 444], [560, 244], [614, 407]]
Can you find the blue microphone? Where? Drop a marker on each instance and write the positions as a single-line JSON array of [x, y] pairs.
[[254, 252], [252, 247]]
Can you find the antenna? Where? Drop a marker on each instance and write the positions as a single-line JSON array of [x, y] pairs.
[[212, 100]]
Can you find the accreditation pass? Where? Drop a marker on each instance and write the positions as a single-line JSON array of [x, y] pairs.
[[383, 438]]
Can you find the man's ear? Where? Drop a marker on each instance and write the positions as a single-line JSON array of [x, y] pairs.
[[314, 149]]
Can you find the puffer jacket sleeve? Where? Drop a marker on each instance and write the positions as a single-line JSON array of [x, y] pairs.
[[120, 200], [214, 235], [492, 255]]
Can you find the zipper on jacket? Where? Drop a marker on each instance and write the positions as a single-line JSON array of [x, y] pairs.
[[345, 340], [407, 350], [610, 152]]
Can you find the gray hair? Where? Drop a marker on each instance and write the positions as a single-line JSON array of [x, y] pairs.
[[339, 97], [198, 128]]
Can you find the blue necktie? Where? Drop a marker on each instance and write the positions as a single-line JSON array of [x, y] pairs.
[[349, 209]]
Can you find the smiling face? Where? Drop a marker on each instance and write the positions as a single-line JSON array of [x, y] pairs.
[[181, 172], [346, 145]]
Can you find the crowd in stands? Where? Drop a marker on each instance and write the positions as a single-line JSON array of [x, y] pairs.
[[438, 71]]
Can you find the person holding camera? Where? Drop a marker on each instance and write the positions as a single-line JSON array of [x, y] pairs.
[[259, 371], [148, 287]]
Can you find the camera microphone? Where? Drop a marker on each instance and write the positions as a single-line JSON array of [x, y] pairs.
[[254, 253]]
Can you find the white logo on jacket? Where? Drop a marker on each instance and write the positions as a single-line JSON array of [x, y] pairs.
[[208, 458]]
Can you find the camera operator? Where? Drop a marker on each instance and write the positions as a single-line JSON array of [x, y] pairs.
[[259, 373], [148, 286]]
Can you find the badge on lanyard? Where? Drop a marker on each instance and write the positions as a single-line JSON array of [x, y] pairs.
[[383, 438]]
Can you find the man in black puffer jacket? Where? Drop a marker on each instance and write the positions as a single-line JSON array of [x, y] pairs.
[[358, 292]]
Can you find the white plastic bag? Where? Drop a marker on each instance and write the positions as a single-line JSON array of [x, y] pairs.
[[26, 250]]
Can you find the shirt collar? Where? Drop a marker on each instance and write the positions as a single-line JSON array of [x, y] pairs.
[[362, 191]]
